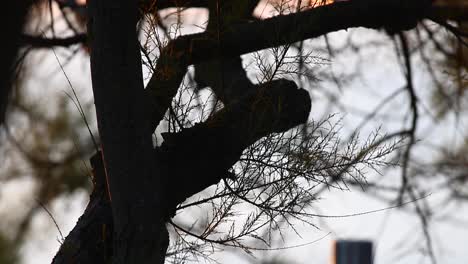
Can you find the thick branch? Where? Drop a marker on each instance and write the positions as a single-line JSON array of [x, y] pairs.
[[276, 31], [41, 42], [281, 30], [226, 77], [210, 148]]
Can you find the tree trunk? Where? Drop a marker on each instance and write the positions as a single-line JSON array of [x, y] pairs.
[[135, 190]]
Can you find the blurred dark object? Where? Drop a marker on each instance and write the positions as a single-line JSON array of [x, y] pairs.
[[352, 252], [13, 15]]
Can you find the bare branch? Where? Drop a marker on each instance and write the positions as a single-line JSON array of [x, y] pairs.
[[43, 42]]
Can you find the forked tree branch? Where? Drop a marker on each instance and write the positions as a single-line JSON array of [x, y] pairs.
[[207, 149], [249, 37]]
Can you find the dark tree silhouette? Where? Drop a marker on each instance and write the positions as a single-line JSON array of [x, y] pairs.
[[138, 188]]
